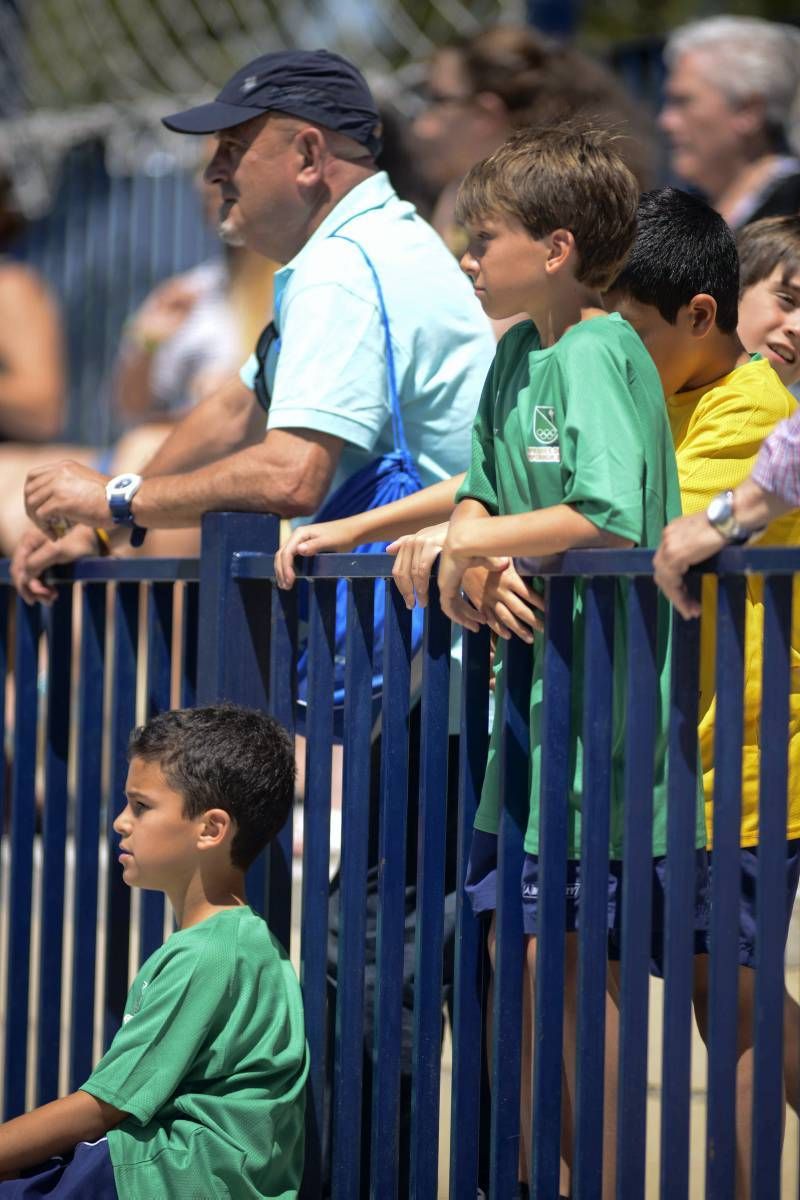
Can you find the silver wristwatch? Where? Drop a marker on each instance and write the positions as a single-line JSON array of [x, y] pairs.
[[720, 515]]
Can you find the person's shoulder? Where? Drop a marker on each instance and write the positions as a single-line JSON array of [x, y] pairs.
[[232, 952], [606, 333], [608, 343], [261, 962], [217, 938], [244, 935], [781, 199], [520, 338], [754, 388]]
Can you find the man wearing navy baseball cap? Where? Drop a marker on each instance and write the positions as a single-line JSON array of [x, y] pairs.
[[297, 136], [319, 86]]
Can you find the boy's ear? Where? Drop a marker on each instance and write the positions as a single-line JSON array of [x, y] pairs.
[[562, 245], [701, 314], [215, 827]]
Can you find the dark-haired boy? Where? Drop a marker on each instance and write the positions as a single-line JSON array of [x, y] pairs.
[[201, 1092], [679, 288]]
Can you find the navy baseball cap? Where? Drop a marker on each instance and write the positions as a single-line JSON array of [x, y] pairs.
[[314, 84]]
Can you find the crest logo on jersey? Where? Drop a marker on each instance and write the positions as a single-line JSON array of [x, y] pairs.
[[545, 434], [544, 426]]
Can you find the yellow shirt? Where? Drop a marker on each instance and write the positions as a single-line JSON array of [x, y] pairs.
[[718, 431]]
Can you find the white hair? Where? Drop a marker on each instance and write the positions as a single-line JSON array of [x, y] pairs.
[[746, 57]]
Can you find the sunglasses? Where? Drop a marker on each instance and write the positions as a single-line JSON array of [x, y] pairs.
[[267, 347]]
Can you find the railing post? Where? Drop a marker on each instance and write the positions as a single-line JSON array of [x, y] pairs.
[[233, 625], [234, 640]]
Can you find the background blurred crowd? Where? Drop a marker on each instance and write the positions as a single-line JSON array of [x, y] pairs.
[[718, 111]]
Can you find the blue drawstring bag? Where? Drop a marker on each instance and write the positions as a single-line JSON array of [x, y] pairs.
[[391, 476]]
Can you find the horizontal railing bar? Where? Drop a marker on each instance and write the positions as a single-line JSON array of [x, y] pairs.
[[772, 560], [125, 570], [250, 564]]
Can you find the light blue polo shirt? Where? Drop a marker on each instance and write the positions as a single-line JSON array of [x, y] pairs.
[[331, 370]]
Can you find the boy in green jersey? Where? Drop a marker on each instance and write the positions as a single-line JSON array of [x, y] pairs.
[[571, 447], [201, 1092]]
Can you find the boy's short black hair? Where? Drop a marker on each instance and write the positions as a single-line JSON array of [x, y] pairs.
[[682, 248], [767, 244], [559, 178], [229, 757]]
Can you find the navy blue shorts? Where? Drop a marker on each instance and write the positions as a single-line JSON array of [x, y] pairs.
[[481, 887], [748, 914], [86, 1174]]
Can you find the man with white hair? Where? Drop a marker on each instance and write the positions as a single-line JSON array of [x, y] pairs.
[[732, 114]]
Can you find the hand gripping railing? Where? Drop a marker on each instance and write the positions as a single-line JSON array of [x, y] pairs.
[[81, 674]]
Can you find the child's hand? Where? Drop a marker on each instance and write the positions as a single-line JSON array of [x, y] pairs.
[[454, 606], [415, 554], [308, 540], [506, 601]]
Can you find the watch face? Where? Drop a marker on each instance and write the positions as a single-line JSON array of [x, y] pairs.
[[124, 482], [720, 510]]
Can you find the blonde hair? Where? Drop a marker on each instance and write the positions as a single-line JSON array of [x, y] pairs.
[[551, 179]]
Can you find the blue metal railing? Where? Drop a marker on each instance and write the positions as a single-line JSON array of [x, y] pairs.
[[127, 638]]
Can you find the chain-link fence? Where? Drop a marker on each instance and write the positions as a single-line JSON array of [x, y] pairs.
[[108, 192]]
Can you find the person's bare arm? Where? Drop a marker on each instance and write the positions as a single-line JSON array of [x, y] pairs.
[[222, 423], [474, 540], [53, 1129], [226, 420], [31, 358], [546, 531], [390, 521], [692, 539], [288, 473]]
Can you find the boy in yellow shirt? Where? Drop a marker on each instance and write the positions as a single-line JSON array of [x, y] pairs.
[[769, 292], [679, 289]]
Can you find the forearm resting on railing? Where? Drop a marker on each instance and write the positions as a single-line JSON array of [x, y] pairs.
[[426, 507], [53, 1129], [546, 531], [384, 524]]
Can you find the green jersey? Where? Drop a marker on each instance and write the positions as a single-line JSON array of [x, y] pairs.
[[583, 423], [210, 1062]]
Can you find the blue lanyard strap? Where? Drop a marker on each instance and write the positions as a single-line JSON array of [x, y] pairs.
[[270, 342], [398, 432]]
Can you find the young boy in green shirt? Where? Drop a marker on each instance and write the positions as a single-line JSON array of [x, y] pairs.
[[201, 1092], [571, 447]]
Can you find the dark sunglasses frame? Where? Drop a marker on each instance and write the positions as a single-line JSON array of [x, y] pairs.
[[268, 338]]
